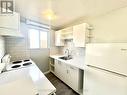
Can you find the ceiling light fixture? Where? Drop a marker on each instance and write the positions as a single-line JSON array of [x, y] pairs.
[[49, 14]]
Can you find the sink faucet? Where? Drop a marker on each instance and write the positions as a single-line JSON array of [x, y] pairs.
[[67, 51]]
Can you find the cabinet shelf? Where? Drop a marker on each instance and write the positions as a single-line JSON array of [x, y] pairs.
[[64, 38], [78, 33], [51, 64], [67, 33], [52, 68]]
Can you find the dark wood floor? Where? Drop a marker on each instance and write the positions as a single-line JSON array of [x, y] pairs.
[[61, 88]]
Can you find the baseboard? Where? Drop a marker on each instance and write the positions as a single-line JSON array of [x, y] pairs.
[[46, 72]]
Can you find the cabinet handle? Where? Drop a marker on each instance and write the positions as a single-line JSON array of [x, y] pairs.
[[123, 49], [59, 62], [117, 74], [67, 71], [73, 68]]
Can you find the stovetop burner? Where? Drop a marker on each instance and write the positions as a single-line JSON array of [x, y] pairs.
[[16, 62], [15, 66], [25, 64], [26, 60]]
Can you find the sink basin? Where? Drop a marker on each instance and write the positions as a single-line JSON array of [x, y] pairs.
[[65, 58]]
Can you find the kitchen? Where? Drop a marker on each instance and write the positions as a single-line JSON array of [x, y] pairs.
[[50, 47]]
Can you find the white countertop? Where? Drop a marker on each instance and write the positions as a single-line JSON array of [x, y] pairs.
[[78, 61], [43, 85]]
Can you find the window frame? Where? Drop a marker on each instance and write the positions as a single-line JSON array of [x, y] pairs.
[[39, 30]]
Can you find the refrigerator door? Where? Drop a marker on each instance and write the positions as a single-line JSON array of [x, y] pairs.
[[109, 56], [100, 82]]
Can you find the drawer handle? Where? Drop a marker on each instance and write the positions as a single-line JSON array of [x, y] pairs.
[[59, 62], [123, 49], [117, 74], [67, 71], [72, 68]]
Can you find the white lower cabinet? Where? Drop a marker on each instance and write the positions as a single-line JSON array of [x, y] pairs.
[[70, 75], [57, 68], [60, 70]]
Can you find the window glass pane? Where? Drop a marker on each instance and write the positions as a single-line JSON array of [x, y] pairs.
[[34, 38], [43, 39]]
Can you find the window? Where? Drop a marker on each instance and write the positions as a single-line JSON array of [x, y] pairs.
[[43, 39], [38, 39]]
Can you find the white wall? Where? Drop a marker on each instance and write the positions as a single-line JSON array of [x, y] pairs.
[[53, 49], [111, 27], [2, 47]]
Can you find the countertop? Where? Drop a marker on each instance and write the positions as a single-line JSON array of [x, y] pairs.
[[43, 85], [77, 61]]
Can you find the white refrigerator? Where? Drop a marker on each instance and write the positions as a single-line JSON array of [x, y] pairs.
[[105, 69]]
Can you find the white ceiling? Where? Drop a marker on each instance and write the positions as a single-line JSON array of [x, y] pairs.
[[66, 10]]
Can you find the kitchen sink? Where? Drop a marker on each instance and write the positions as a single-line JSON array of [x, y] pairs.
[[65, 58]]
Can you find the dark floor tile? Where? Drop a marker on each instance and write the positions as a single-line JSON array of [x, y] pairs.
[[61, 88]]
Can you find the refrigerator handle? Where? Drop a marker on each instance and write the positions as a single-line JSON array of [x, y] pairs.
[[118, 74]]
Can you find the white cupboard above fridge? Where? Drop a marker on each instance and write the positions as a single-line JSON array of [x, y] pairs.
[[10, 25]]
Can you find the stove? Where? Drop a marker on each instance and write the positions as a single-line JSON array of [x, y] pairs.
[[18, 64]]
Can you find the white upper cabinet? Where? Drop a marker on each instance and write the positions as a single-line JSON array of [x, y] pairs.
[[67, 33], [80, 35], [62, 35], [58, 38], [10, 25]]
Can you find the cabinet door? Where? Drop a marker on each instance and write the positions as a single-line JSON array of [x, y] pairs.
[[67, 33], [58, 38], [10, 25], [10, 21], [79, 35], [57, 68], [60, 70], [73, 77], [63, 71], [99, 82]]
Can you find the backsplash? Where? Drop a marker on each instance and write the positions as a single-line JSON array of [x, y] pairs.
[[75, 51], [17, 48], [2, 47]]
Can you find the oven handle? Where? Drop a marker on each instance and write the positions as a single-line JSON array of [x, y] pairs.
[[118, 74]]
